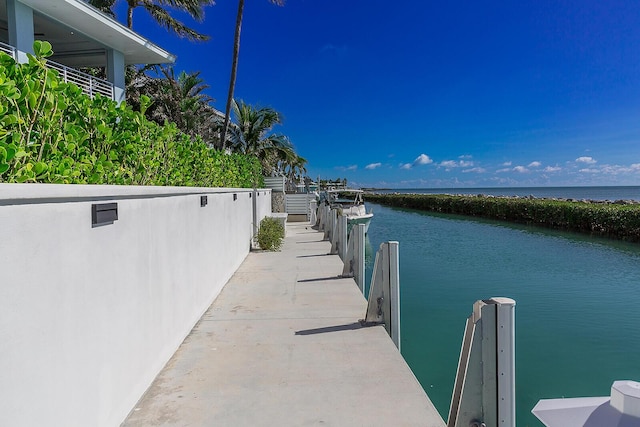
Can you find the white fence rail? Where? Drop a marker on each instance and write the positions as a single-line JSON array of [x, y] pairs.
[[9, 50], [89, 84], [297, 204]]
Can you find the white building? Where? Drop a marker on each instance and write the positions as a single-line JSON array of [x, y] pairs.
[[81, 36]]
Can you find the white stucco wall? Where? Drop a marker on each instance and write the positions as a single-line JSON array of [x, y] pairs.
[[263, 206], [89, 315]]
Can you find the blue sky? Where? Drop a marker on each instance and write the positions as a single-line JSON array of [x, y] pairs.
[[437, 94]]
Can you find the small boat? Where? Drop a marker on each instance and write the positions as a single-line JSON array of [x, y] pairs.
[[352, 206]]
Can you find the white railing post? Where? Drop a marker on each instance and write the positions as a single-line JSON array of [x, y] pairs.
[[354, 259], [384, 292], [506, 374], [339, 236], [484, 390], [331, 225], [313, 212], [321, 217]]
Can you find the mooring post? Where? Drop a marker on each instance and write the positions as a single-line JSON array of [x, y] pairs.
[[354, 259], [339, 237], [323, 217], [313, 212], [331, 224], [484, 390], [384, 292]]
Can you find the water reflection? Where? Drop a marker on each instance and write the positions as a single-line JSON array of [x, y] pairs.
[[577, 299]]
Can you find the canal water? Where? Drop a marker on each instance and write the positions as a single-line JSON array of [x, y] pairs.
[[577, 302]]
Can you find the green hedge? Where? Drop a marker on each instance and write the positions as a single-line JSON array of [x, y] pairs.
[[620, 221], [51, 132]]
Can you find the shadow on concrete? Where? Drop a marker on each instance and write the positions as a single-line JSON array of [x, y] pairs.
[[337, 328], [313, 241], [311, 256], [321, 279]]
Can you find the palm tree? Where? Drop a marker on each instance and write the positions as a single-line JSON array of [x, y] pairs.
[[234, 67], [252, 135], [178, 99], [158, 10]]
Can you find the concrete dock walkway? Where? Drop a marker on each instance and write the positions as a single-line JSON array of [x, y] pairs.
[[282, 346]]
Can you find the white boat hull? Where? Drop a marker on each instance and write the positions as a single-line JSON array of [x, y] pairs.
[[359, 219]]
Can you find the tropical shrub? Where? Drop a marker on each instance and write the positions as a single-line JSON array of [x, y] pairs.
[[270, 234], [51, 132], [620, 221]]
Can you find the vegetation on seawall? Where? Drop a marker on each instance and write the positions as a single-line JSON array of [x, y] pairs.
[[619, 219], [51, 132]]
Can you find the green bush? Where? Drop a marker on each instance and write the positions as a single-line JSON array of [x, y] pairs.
[[51, 132], [270, 234]]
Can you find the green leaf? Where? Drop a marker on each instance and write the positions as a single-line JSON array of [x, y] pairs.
[[3, 168], [40, 168], [42, 49]]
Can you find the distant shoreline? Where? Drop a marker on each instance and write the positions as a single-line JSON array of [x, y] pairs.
[[619, 219], [594, 193]]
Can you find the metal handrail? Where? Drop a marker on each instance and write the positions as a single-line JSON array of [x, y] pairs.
[[89, 84], [8, 49]]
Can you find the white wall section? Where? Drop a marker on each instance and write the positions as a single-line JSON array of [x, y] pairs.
[[89, 315]]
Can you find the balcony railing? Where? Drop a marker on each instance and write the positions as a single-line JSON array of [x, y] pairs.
[[9, 50], [89, 84]]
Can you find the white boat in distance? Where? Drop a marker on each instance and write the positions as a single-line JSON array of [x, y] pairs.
[[352, 206]]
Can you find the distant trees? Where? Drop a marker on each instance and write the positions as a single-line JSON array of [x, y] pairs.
[[252, 134], [326, 184], [179, 99]]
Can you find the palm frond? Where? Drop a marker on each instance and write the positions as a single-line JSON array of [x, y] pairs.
[[165, 20]]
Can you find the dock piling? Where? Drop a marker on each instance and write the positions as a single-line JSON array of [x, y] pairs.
[[355, 257], [384, 292], [484, 390]]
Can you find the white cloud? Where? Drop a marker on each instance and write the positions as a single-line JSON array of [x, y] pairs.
[[589, 170], [449, 164], [520, 169], [586, 159], [373, 165], [347, 168], [552, 169], [503, 170], [466, 156], [456, 164], [506, 164], [535, 164], [422, 159], [476, 170]]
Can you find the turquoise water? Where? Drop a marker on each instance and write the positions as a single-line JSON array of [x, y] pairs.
[[579, 193], [577, 312]]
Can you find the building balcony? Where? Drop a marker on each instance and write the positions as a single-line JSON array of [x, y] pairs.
[[89, 84]]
